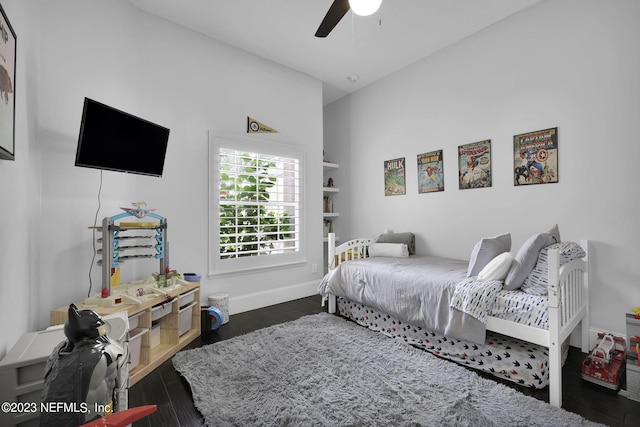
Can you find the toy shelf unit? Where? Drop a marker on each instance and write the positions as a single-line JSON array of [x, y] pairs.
[[116, 240], [633, 356], [159, 325]]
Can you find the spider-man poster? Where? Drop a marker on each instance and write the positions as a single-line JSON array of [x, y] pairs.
[[535, 157], [474, 165]]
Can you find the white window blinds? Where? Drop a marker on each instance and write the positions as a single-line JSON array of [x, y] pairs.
[[256, 205]]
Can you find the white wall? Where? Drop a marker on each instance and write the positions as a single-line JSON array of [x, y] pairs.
[[572, 64], [117, 54], [19, 194]]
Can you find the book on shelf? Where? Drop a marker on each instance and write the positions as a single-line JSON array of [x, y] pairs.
[[328, 204]]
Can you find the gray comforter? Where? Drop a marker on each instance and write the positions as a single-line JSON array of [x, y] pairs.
[[418, 290]]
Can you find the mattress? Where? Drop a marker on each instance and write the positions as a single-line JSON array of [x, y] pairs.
[[418, 290], [505, 357], [424, 290], [520, 307]]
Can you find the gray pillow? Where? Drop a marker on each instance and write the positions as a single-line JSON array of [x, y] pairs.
[[537, 283], [407, 238], [555, 233], [527, 256], [487, 249]]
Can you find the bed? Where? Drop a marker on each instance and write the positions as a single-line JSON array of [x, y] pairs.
[[436, 302]]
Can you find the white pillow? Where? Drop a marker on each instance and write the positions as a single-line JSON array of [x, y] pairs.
[[497, 268], [407, 238], [395, 250], [486, 250]]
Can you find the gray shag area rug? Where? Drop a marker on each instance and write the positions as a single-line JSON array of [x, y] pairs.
[[323, 370]]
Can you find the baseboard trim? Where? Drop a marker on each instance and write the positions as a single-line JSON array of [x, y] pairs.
[[575, 338], [256, 300]]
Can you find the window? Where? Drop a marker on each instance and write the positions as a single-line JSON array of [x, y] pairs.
[[256, 205]]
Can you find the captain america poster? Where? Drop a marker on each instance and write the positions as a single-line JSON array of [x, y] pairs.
[[535, 157]]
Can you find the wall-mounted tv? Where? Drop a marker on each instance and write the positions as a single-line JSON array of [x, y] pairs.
[[114, 140]]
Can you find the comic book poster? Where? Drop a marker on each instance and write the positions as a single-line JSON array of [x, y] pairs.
[[7, 88], [394, 177], [474, 165], [430, 172], [535, 157]]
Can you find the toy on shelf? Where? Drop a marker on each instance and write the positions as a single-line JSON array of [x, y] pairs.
[[138, 210], [634, 347], [115, 241], [606, 362]]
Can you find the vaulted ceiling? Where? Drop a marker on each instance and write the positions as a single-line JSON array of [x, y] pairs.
[[363, 49]]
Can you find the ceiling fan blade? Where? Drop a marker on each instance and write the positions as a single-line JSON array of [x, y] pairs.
[[338, 9]]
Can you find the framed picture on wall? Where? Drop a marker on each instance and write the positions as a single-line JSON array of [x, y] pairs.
[[535, 157], [7, 88], [394, 177], [474, 165], [430, 172]]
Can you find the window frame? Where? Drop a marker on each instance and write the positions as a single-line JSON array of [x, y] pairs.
[[251, 264]]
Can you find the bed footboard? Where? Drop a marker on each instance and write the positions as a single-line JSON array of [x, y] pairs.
[[569, 295], [568, 307]]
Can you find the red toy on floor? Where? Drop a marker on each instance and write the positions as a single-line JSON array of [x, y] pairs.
[[606, 362], [123, 418]]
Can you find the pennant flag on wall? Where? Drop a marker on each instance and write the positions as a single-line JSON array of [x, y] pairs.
[[254, 126]]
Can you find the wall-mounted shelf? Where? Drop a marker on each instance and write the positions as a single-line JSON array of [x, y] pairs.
[[329, 165], [328, 190]]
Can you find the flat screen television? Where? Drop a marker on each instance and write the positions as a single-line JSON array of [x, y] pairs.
[[114, 140]]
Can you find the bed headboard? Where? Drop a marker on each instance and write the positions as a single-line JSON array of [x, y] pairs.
[[353, 249]]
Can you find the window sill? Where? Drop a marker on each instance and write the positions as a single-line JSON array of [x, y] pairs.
[[256, 270]]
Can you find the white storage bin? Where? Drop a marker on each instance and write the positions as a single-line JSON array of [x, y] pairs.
[[187, 298], [161, 310], [134, 320], [185, 318], [135, 341], [221, 302], [154, 338]]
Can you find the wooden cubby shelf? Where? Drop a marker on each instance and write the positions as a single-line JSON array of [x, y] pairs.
[[170, 339]]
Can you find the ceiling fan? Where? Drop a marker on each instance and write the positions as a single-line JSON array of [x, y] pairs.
[[339, 8]]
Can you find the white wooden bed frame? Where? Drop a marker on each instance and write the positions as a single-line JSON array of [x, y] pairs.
[[568, 306]]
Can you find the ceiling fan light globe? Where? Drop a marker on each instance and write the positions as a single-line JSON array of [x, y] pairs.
[[365, 7]]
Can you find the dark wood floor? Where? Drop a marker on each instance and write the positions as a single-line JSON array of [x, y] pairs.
[[166, 388]]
